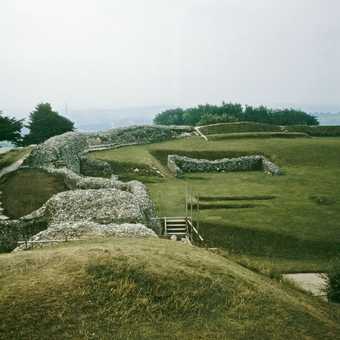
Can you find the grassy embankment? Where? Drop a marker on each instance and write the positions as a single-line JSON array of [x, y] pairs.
[[298, 230], [26, 190], [150, 289], [285, 131]]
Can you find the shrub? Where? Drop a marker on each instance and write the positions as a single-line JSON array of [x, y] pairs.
[[229, 112]]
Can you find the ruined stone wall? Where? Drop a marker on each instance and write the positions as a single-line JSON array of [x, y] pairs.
[[59, 151], [139, 135], [181, 164]]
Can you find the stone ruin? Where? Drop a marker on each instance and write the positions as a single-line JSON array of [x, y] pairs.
[[182, 164], [93, 205]]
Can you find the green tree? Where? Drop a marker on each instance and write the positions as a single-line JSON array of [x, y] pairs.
[[10, 129], [233, 112], [45, 123]]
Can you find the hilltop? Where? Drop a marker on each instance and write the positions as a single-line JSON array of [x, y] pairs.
[[149, 289]]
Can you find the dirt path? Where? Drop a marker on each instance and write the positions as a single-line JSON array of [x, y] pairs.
[[197, 129], [4, 150], [14, 166], [314, 283]]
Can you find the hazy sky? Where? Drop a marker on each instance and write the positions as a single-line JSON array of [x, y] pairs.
[[125, 53]]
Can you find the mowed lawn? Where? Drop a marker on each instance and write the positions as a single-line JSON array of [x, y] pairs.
[[298, 230]]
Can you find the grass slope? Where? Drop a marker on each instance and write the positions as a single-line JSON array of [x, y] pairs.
[[252, 127], [240, 135], [26, 190], [299, 230], [150, 289]]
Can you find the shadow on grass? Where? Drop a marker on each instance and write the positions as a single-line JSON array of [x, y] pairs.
[[208, 206], [237, 198], [253, 242]]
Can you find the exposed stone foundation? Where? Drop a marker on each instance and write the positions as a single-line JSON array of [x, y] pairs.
[[181, 164]]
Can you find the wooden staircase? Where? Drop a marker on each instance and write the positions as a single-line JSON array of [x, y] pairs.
[[181, 227], [175, 226]]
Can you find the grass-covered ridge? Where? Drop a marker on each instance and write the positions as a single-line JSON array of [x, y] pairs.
[[242, 135], [149, 289], [296, 231], [268, 130]]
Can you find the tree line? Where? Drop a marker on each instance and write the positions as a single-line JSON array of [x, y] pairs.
[[43, 123], [230, 112]]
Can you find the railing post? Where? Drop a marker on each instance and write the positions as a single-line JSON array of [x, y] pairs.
[[198, 212], [165, 228], [191, 203], [186, 200]]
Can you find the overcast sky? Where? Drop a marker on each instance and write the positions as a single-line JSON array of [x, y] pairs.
[[126, 53]]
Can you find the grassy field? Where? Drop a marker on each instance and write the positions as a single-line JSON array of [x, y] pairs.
[[150, 289], [298, 230], [27, 190]]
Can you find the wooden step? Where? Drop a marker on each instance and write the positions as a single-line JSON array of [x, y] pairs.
[[176, 221], [181, 225], [176, 229], [170, 233]]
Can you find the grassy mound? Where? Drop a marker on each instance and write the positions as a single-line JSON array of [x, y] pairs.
[[316, 131], [149, 289], [239, 127], [26, 190], [243, 135], [260, 130]]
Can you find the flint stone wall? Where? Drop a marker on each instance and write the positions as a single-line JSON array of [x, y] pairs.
[[181, 164], [86, 230], [69, 149], [99, 191], [94, 167], [139, 135]]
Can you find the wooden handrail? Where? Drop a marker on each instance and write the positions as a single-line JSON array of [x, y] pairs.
[[194, 229]]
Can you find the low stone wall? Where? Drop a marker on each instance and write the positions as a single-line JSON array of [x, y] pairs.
[[63, 232], [181, 164], [139, 135]]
